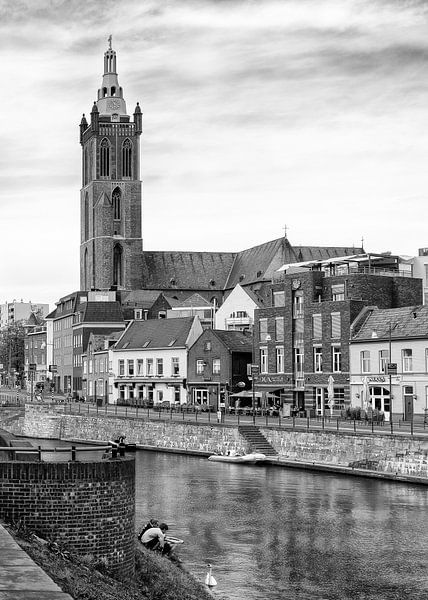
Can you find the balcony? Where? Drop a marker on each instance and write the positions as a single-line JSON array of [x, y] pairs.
[[238, 322]]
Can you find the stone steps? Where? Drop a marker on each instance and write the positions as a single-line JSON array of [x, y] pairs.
[[257, 440]]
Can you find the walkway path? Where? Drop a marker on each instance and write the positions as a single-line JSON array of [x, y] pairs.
[[20, 577]]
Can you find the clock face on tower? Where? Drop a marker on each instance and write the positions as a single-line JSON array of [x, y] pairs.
[[113, 104]]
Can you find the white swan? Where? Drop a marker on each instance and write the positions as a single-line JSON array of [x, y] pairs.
[[209, 579]]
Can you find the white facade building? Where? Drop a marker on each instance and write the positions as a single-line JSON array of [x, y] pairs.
[[237, 311], [14, 312], [398, 338], [149, 361]]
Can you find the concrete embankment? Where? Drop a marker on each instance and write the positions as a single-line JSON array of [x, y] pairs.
[[395, 457], [20, 577]]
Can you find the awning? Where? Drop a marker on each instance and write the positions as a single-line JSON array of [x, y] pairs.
[[246, 394]]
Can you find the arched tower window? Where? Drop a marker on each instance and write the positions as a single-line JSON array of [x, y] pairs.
[[86, 166], [113, 91], [117, 265], [117, 201], [126, 158], [85, 270], [104, 92], [105, 158], [86, 217]]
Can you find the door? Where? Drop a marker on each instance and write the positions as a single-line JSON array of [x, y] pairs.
[[408, 402]]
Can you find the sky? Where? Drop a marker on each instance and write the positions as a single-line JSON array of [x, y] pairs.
[[257, 115]]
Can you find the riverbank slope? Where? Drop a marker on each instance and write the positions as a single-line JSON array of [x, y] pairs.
[[156, 577]]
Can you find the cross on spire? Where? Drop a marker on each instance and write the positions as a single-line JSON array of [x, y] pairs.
[[285, 231], [109, 41]]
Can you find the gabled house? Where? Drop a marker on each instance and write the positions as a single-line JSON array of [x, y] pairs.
[[237, 311], [389, 361], [193, 306], [217, 367], [149, 361]]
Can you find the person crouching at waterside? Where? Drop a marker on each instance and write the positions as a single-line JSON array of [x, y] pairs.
[[154, 539]]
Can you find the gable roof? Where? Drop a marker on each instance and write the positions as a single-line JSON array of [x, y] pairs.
[[409, 321], [235, 341], [156, 333], [218, 271], [195, 300]]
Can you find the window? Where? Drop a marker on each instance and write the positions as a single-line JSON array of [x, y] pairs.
[[280, 359], [216, 366], [200, 366], [162, 314], [126, 158], [117, 264], [335, 325], [279, 329], [116, 201], [84, 366], [336, 359], [101, 365], [263, 360], [130, 366], [338, 291], [105, 158], [159, 394], [298, 361], [159, 366], [175, 365], [407, 358], [317, 359], [317, 327], [149, 367], [279, 298], [339, 397], [263, 329], [138, 314], [383, 360], [90, 365], [298, 305], [121, 367], [365, 361], [207, 346]]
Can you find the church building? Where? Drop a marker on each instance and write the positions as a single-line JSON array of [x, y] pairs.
[[111, 246]]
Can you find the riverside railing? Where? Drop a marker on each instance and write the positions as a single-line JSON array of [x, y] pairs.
[[189, 414], [16, 452]]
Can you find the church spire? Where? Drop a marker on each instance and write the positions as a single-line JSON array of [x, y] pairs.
[[110, 95]]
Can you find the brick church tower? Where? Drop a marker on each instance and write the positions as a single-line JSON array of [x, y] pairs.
[[110, 198]]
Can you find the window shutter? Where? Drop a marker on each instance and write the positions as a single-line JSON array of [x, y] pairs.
[[335, 325], [317, 326]]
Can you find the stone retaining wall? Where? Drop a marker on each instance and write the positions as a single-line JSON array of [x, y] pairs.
[[405, 455]]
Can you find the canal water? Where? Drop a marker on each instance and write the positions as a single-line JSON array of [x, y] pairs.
[[272, 533]]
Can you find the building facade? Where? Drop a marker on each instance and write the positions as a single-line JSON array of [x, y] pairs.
[[389, 361], [149, 361], [302, 340], [217, 367]]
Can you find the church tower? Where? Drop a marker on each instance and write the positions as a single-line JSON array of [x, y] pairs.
[[110, 199]]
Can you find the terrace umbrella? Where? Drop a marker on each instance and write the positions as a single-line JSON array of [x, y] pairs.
[[365, 393], [330, 393]]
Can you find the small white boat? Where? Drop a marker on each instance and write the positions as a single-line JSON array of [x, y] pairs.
[[253, 458]]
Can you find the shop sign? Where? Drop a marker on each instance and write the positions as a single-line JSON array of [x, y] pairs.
[[265, 379], [378, 379]]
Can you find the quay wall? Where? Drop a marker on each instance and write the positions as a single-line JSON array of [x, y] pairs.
[[382, 452]]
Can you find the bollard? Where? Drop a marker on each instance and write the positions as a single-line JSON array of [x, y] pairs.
[[392, 431], [122, 449], [39, 453], [114, 451], [73, 453], [355, 426], [323, 422]]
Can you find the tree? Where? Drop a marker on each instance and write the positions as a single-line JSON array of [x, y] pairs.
[[12, 350]]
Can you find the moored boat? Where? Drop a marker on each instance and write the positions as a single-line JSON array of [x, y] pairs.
[[252, 458]]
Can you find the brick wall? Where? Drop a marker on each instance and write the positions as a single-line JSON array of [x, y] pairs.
[[87, 508]]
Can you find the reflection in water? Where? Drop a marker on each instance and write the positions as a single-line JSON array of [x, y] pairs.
[[273, 533]]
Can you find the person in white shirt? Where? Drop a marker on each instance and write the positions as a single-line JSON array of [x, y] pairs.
[[154, 539]]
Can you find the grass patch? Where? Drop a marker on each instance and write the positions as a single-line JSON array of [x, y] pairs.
[[156, 577]]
